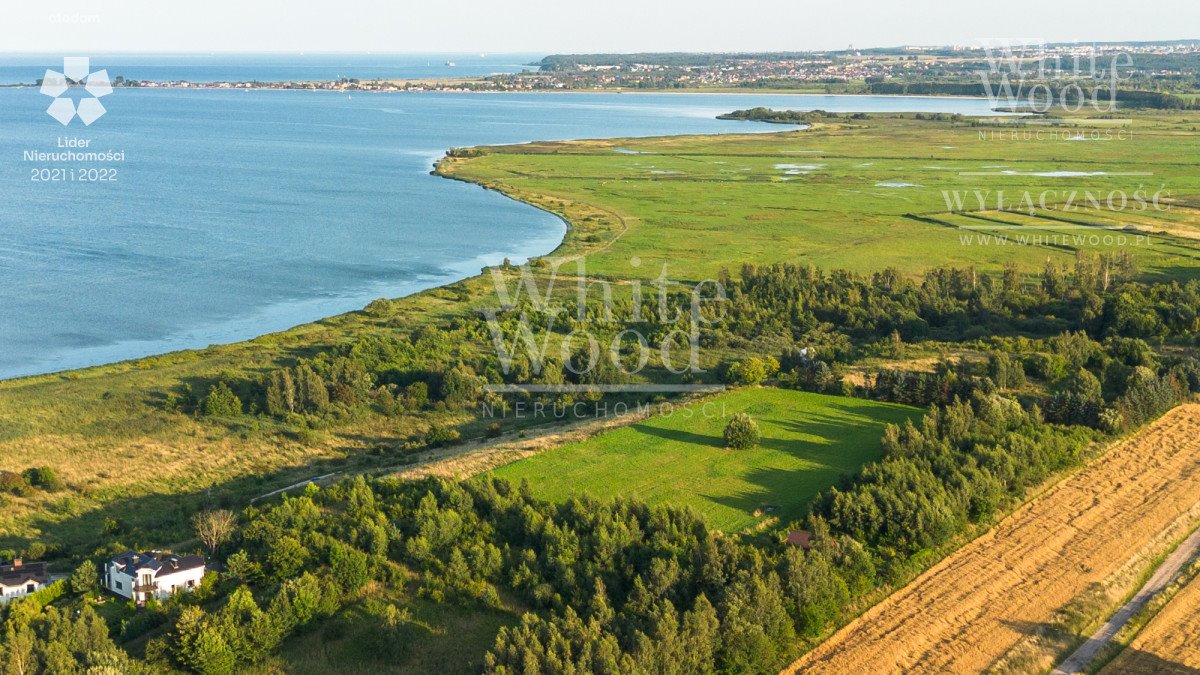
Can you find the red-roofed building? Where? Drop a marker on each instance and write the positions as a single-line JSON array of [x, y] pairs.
[[801, 538]]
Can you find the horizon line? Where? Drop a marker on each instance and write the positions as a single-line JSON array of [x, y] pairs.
[[504, 52]]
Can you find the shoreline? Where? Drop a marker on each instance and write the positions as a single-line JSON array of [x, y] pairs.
[[455, 274], [446, 89], [82, 371]]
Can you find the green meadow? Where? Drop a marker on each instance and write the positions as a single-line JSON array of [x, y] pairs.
[[873, 193], [678, 457]]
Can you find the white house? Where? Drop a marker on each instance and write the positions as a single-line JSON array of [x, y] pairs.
[[19, 579], [141, 576]]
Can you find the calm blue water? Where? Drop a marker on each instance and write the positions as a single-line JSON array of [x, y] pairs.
[[28, 68], [239, 213]]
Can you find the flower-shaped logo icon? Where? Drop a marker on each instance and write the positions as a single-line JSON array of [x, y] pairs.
[[76, 69]]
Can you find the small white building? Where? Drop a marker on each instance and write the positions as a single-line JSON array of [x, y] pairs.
[[18, 579], [141, 576]]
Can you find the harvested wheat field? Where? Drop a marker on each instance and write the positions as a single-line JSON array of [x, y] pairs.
[[977, 604], [1170, 643]]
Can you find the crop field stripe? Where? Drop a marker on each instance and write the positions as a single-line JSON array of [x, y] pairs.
[[1164, 238], [978, 603]]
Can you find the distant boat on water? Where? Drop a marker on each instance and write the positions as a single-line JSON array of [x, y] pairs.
[[450, 64]]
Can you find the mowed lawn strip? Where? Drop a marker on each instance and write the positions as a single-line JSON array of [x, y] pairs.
[[808, 442]]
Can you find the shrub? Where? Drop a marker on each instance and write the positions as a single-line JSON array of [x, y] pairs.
[[47, 594], [351, 567], [281, 393], [742, 432], [43, 477], [221, 402], [416, 395], [439, 435], [752, 370], [13, 483], [1111, 421], [460, 386], [379, 309], [242, 568], [35, 550], [85, 578]]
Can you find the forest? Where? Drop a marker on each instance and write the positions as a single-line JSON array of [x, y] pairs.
[[1070, 357]]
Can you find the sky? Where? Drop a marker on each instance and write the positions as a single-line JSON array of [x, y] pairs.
[[569, 26]]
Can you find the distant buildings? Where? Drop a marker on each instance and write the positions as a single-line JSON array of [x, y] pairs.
[[141, 576], [18, 579]]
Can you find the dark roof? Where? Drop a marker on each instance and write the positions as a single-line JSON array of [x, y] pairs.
[[156, 561], [16, 575], [801, 538]]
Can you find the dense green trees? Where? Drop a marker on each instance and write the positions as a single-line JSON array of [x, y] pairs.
[[801, 326], [613, 586], [752, 370], [241, 631], [619, 586], [957, 467], [37, 637]]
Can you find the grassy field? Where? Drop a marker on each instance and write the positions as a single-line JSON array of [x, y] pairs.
[[809, 441], [869, 194]]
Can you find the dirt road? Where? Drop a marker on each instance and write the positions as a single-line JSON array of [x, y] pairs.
[[1169, 644], [1162, 577]]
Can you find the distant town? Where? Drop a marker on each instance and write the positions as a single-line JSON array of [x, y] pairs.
[[1164, 67]]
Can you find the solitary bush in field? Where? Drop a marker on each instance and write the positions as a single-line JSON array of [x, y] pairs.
[[742, 432], [44, 477], [13, 482]]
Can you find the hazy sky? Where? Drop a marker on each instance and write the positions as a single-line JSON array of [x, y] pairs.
[[547, 26]]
